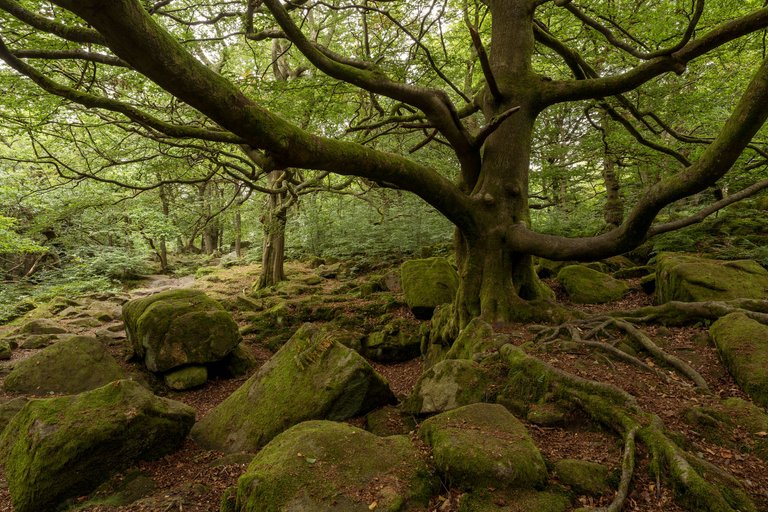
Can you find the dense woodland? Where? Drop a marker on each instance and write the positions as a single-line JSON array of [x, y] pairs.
[[250, 144]]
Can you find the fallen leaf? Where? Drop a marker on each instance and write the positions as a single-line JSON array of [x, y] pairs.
[[373, 505]]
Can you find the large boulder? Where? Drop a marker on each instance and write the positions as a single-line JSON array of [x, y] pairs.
[[484, 445], [74, 365], [179, 327], [428, 283], [688, 278], [743, 346], [312, 376], [323, 466], [587, 286], [447, 385], [59, 448]]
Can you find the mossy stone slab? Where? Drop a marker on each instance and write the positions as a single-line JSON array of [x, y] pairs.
[[80, 363], [324, 466], [743, 346], [587, 286], [179, 327], [584, 477], [59, 448], [689, 278], [427, 283], [514, 501], [311, 377], [484, 445]]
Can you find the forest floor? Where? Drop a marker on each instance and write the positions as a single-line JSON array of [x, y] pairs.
[[193, 479]]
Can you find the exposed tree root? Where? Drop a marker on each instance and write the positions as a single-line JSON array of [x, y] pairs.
[[698, 485], [598, 327], [682, 313], [653, 349]]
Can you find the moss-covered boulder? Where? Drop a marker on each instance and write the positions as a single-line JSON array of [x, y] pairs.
[[587, 286], [483, 445], [5, 350], [323, 466], [187, 377], [311, 377], [389, 421], [583, 477], [77, 364], [398, 340], [59, 448], [428, 283], [691, 279], [743, 346], [447, 385], [179, 327]]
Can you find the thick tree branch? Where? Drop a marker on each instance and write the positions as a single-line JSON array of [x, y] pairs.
[[434, 103], [747, 118], [558, 91], [135, 37], [93, 101], [75, 34], [706, 212]]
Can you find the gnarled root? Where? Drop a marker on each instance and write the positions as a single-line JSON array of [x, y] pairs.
[[598, 327], [698, 485]]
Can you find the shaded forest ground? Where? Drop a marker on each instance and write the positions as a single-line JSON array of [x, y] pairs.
[[194, 479]]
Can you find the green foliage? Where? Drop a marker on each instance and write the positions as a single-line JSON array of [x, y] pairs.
[[13, 243]]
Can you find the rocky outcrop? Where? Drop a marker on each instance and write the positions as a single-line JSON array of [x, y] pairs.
[[587, 286], [59, 448], [428, 283], [74, 365], [179, 327], [689, 278], [323, 466], [311, 377]]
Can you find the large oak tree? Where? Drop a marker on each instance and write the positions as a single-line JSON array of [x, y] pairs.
[[489, 201]]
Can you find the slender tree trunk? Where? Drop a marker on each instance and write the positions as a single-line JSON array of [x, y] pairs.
[[273, 245]]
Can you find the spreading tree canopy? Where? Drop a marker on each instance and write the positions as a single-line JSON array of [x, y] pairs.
[[477, 77]]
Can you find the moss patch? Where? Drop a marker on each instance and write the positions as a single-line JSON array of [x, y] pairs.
[[483, 445], [326, 466]]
